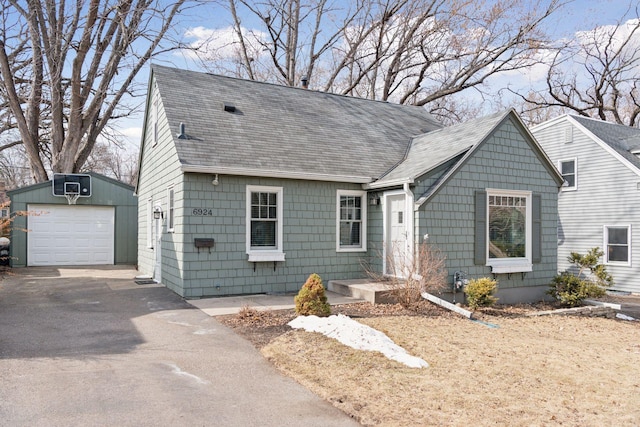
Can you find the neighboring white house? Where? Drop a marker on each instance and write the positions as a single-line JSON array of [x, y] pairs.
[[599, 204]]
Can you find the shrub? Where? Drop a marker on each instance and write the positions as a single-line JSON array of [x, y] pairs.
[[572, 289], [410, 275], [311, 299], [480, 292]]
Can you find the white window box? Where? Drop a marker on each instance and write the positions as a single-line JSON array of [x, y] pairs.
[[512, 267], [266, 256]]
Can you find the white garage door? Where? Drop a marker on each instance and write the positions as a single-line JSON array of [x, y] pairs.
[[70, 235]]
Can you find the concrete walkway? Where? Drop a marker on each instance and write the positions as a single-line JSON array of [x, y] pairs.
[[232, 305], [90, 347]]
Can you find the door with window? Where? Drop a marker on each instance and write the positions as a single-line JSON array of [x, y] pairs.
[[396, 248]]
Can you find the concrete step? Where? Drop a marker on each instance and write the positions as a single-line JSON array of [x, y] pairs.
[[366, 289]]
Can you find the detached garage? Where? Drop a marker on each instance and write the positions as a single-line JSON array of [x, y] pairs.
[[98, 228]]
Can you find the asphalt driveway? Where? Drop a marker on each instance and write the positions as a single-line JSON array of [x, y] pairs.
[[90, 347]]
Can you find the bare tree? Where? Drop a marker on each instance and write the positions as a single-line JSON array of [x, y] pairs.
[[65, 68], [595, 75], [112, 160], [14, 168], [407, 51]]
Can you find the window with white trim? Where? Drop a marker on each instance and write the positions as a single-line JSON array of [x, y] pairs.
[[509, 231], [569, 171], [617, 244], [264, 223], [351, 226], [150, 225], [170, 210]]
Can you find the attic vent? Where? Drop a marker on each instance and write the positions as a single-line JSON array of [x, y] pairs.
[[182, 134], [229, 108], [568, 135]]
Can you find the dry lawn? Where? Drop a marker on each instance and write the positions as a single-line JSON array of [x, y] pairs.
[[528, 372]]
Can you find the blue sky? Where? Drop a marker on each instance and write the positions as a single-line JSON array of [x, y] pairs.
[[578, 15]]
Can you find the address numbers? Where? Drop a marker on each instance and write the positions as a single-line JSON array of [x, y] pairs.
[[202, 212]]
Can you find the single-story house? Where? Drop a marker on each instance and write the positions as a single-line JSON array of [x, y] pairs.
[[100, 228], [248, 187], [598, 206]]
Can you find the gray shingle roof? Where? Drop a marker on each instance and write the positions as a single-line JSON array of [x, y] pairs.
[[623, 139], [278, 128], [430, 150]]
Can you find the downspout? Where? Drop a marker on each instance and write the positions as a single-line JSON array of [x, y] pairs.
[[410, 209]]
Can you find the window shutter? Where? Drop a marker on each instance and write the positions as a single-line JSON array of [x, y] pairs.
[[536, 226], [481, 228]]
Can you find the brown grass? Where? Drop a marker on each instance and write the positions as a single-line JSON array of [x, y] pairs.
[[530, 371]]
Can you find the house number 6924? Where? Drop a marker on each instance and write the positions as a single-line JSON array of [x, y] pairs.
[[203, 212]]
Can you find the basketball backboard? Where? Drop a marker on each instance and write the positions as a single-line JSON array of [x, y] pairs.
[[71, 184]]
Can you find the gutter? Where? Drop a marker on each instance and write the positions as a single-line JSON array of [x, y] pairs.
[[221, 170], [384, 184]]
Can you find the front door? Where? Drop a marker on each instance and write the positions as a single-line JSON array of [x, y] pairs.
[[396, 250]]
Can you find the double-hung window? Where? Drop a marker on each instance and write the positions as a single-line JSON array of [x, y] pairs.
[[509, 231], [264, 223], [351, 216], [617, 244], [170, 209], [569, 171]]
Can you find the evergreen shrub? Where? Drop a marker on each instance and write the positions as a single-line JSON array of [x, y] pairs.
[[311, 299], [480, 292]]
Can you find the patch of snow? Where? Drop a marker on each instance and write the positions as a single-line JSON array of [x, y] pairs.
[[624, 317], [356, 335]]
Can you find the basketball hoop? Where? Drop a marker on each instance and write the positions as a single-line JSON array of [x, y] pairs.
[[71, 186], [72, 198]]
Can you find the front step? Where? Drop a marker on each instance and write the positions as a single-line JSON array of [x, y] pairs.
[[373, 292]]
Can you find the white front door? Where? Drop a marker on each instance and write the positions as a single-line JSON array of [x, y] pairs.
[[396, 249], [157, 269]]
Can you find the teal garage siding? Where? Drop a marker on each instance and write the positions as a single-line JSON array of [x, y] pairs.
[[105, 192]]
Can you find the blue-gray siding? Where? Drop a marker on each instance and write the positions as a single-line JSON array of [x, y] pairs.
[[505, 161]]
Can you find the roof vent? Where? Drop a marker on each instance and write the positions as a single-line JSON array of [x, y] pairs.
[[229, 108], [182, 134], [305, 82], [568, 135]]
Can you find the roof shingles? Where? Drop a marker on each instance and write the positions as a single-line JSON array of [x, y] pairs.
[[277, 128]]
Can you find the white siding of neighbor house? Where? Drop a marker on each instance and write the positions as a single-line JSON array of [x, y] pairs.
[[608, 193]]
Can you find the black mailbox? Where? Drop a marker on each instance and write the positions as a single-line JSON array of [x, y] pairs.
[[203, 243]]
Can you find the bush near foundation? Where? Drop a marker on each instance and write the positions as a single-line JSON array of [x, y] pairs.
[[591, 280], [480, 292], [311, 299]]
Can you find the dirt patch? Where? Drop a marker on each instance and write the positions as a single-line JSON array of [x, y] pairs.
[[528, 371]]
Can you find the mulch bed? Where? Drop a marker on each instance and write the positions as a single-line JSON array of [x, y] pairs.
[[261, 327]]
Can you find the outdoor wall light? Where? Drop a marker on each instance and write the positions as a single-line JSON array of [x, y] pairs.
[[215, 180], [157, 213]]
